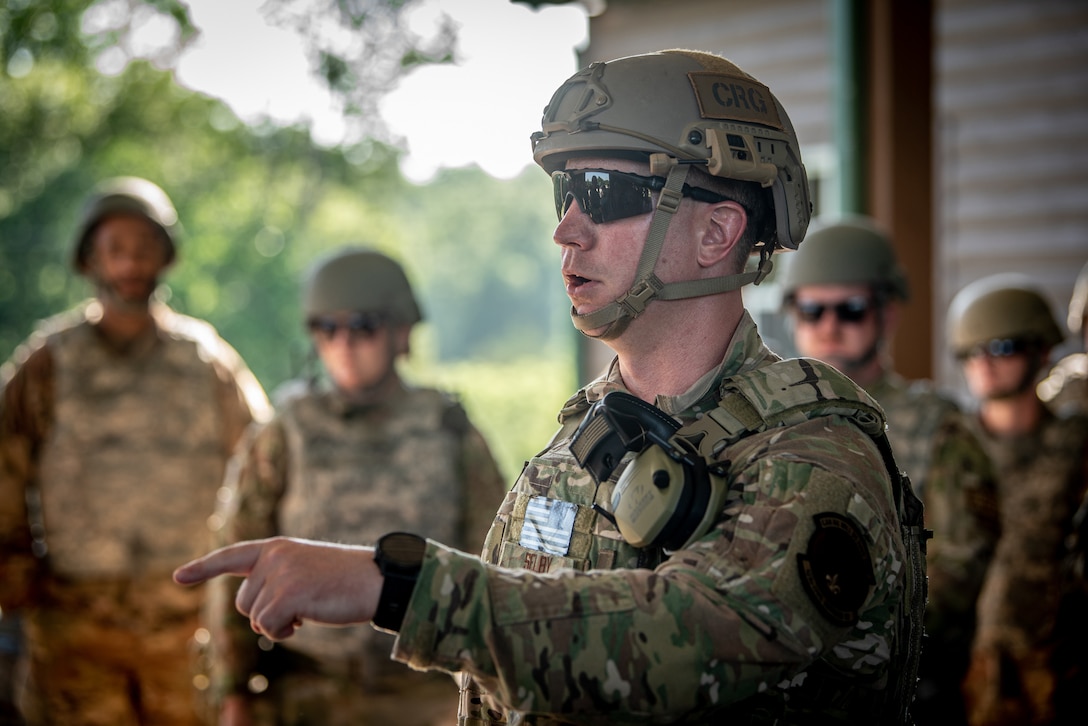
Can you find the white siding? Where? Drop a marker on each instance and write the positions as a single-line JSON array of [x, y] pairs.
[[1011, 107]]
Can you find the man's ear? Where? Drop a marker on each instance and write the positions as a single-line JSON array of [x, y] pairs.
[[723, 225]]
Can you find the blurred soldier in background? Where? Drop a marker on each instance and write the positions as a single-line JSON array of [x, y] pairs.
[[1028, 660], [1065, 389], [843, 290], [346, 462], [117, 420]]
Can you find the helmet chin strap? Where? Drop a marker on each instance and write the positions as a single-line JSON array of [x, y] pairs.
[[617, 315]]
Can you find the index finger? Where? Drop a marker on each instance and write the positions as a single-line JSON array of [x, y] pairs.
[[235, 559]]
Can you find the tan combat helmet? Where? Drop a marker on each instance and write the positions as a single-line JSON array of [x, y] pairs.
[[850, 251], [1078, 303], [359, 280], [1001, 307], [674, 109], [126, 195]]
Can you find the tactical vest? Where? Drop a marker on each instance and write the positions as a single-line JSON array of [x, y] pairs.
[[356, 474], [748, 403], [135, 455], [914, 413]]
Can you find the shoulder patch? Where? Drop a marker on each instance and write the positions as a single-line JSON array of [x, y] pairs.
[[835, 568]]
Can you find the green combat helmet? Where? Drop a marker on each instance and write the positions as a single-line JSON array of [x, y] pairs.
[[126, 195], [675, 109], [1078, 303], [359, 280], [1001, 307], [851, 251]]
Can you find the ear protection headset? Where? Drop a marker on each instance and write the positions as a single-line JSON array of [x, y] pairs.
[[667, 496]]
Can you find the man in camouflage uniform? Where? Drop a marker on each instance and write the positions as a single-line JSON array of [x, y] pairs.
[[751, 562], [1065, 389], [843, 290], [1028, 659], [116, 423], [346, 461]]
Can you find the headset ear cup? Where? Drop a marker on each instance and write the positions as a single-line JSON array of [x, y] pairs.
[[659, 501], [717, 487], [648, 495]]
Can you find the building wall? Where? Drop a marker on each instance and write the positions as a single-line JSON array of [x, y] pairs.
[[1010, 126], [1011, 121]]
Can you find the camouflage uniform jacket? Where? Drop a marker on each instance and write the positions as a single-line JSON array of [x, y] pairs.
[[950, 470], [114, 449], [596, 631], [1043, 481], [1065, 389], [329, 470]]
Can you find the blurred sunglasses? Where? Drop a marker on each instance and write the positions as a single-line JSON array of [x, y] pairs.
[[357, 325], [852, 310], [997, 348], [606, 196]]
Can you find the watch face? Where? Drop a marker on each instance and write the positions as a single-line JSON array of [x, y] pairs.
[[402, 549]]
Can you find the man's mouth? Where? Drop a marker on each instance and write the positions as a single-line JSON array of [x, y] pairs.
[[575, 281]]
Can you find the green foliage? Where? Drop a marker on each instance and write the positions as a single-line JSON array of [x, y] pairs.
[[257, 205]]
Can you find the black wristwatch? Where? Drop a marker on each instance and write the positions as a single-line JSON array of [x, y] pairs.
[[399, 556]]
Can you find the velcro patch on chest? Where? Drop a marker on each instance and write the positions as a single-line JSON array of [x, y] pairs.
[[836, 569], [548, 526]]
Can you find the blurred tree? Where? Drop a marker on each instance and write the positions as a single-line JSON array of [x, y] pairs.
[[361, 48], [257, 205]]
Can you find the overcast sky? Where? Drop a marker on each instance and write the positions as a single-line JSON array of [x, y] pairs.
[[513, 58]]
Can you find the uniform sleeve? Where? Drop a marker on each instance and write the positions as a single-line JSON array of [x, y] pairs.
[[26, 406], [484, 488], [255, 483], [242, 400], [712, 625]]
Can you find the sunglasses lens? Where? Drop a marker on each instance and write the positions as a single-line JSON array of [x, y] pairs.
[[604, 196], [809, 312], [853, 310], [998, 348], [359, 325]]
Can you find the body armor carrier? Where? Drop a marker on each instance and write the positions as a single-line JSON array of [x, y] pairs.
[[748, 403], [358, 472], [740, 414], [115, 468]]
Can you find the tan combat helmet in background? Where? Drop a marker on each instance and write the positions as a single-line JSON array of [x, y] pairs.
[[126, 195], [850, 251], [1001, 308], [360, 280]]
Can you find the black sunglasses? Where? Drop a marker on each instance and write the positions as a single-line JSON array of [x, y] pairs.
[[357, 325], [606, 196], [851, 310], [997, 348]]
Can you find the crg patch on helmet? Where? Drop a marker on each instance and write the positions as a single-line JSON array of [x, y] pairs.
[[733, 98], [835, 569]]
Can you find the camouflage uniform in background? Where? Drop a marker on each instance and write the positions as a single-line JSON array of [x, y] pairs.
[[1031, 633], [952, 473], [1065, 389], [330, 470], [761, 618], [119, 454]]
